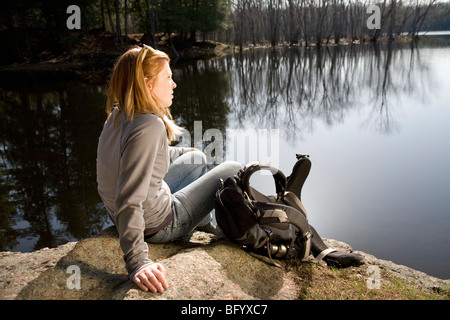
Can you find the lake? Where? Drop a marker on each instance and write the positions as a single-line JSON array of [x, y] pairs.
[[375, 121]]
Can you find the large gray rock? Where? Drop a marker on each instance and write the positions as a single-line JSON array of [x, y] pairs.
[[200, 267], [17, 269]]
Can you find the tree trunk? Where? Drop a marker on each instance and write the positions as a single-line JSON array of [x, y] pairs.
[[108, 11], [118, 29]]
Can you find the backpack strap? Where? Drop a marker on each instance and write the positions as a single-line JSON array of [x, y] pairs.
[[321, 255], [291, 199], [251, 168], [269, 253]]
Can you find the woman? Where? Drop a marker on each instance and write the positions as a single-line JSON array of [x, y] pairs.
[[148, 198]]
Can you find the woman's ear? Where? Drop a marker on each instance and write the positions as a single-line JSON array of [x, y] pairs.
[[148, 84]]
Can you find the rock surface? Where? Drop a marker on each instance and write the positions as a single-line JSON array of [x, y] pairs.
[[201, 268]]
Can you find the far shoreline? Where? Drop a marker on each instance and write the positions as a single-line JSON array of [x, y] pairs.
[[100, 60]]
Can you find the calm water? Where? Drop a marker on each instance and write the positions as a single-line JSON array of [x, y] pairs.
[[374, 120]]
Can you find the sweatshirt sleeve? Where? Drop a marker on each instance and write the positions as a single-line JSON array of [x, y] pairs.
[[136, 166], [175, 152]]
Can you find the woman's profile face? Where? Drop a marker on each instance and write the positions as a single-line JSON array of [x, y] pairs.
[[163, 86]]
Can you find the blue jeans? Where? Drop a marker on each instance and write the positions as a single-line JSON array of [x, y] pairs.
[[193, 190]]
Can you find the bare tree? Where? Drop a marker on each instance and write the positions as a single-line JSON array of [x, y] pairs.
[[273, 8], [238, 23], [319, 21], [293, 26], [420, 12]]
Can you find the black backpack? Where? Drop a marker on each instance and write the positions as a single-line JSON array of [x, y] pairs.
[[271, 225]]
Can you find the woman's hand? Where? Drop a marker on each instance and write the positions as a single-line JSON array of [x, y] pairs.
[[151, 277]]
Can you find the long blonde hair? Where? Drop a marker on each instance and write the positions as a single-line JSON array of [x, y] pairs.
[[128, 90]]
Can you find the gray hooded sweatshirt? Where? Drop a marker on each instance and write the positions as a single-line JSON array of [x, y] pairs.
[[132, 159]]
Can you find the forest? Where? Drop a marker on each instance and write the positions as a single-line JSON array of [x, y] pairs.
[[36, 30]]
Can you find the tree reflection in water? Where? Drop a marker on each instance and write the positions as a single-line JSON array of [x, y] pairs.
[[292, 89], [48, 145]]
